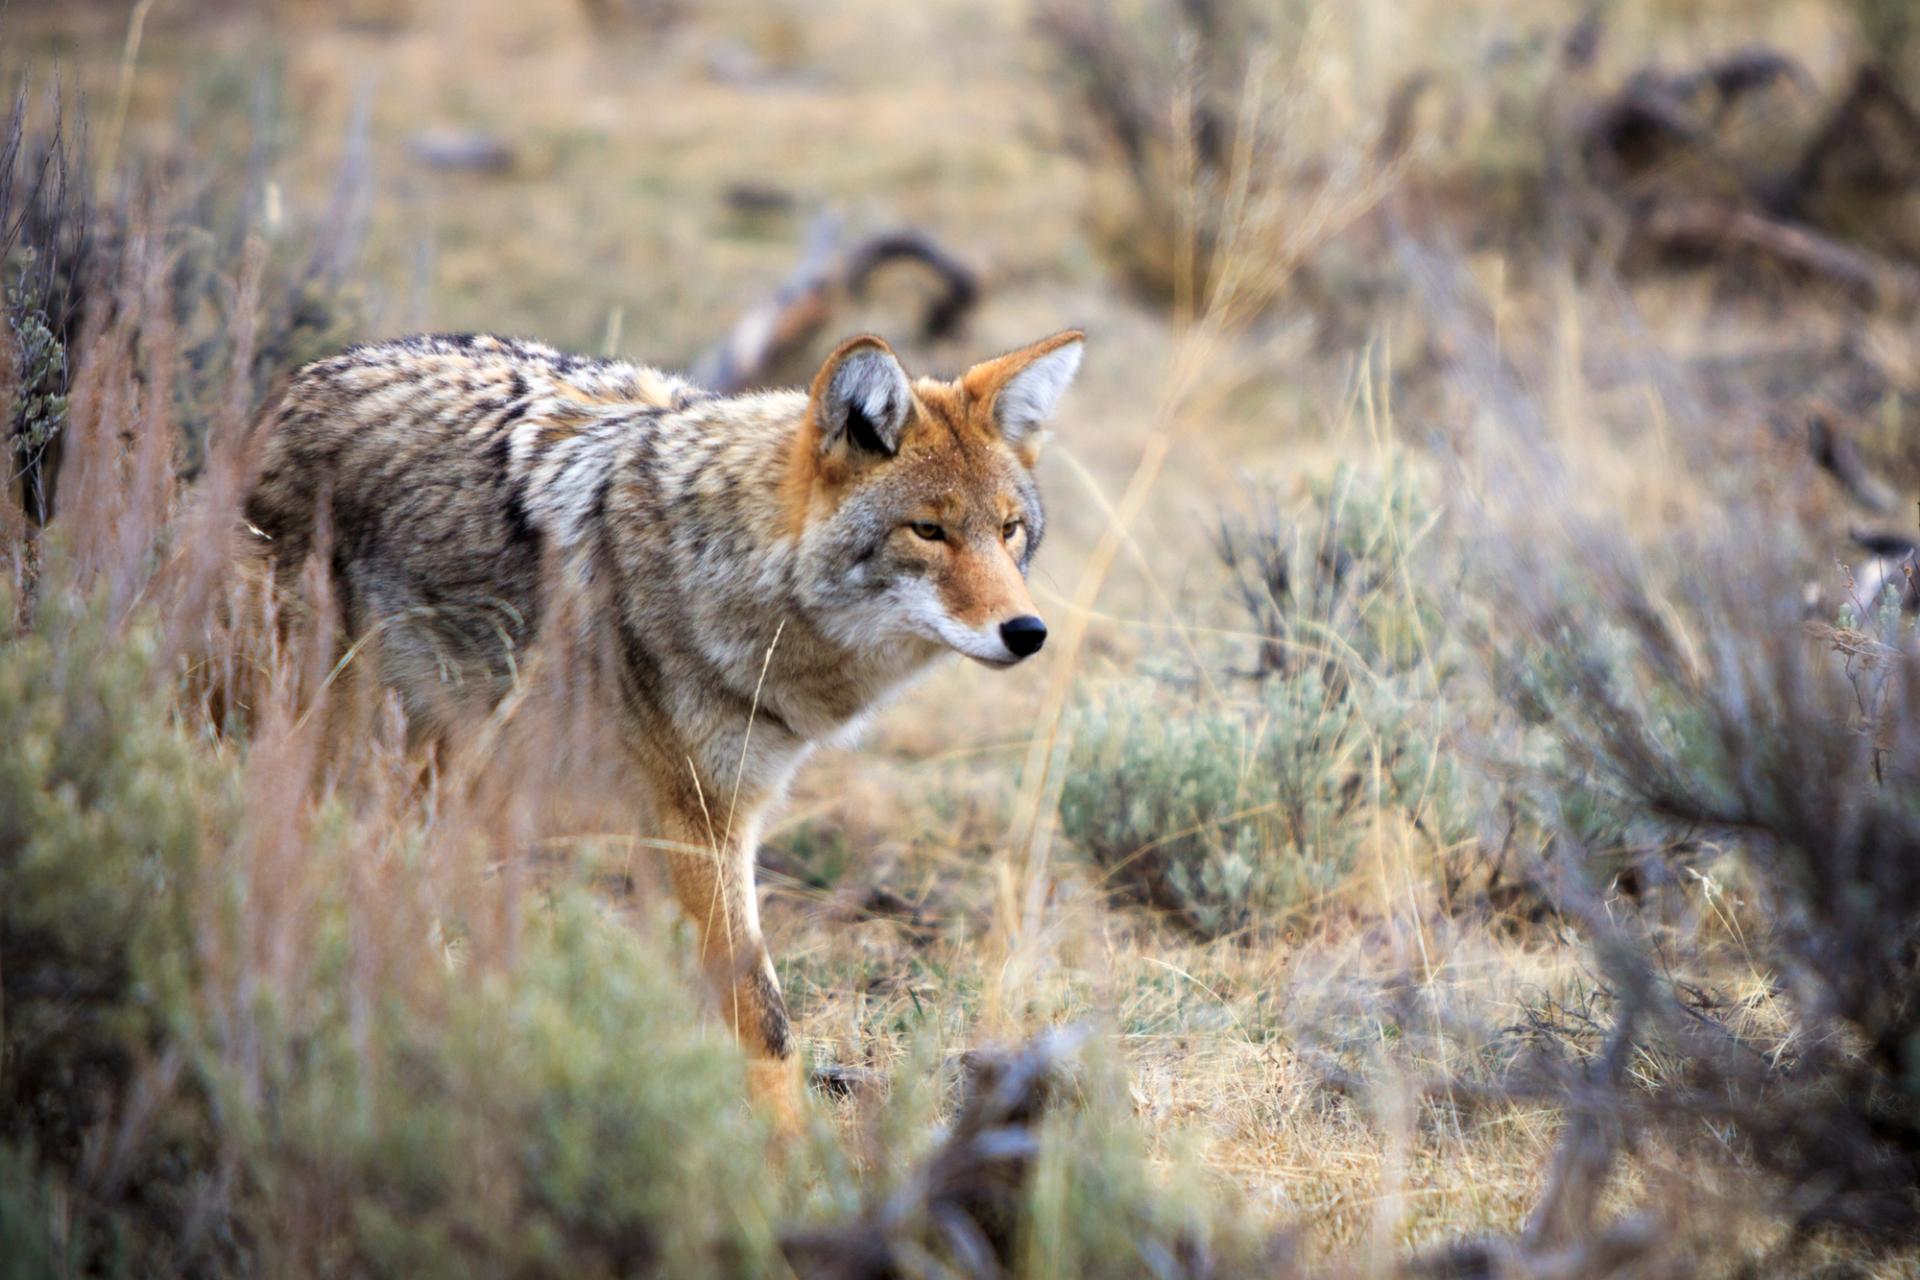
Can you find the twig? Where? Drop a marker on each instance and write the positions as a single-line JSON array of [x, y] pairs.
[[1709, 226], [1836, 454]]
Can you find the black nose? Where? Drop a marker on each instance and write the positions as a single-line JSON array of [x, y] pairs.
[[1024, 635]]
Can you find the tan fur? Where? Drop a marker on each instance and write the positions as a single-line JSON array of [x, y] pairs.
[[712, 541]]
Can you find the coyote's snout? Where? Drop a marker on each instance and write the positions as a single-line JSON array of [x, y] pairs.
[[759, 569]]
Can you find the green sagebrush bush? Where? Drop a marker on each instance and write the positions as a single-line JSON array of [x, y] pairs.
[[566, 1118], [167, 1110], [1233, 800], [249, 291], [102, 814], [1574, 780], [1096, 1205]]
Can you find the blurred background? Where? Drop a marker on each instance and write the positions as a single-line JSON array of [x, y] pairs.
[[1467, 823]]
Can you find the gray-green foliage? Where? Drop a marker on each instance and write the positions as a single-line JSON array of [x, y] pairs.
[[564, 1118], [1595, 656], [1096, 1206], [39, 380], [1229, 802], [562, 1115], [102, 813]]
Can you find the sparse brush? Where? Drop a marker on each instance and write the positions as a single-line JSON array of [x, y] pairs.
[[1231, 807], [61, 253], [246, 1029], [1342, 586], [1805, 766], [299, 303], [203, 1100], [1203, 191], [1038, 1174]]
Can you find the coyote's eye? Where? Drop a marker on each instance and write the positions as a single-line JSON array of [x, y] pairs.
[[928, 530], [1008, 529]]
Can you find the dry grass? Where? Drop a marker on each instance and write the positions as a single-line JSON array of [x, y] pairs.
[[1299, 1070]]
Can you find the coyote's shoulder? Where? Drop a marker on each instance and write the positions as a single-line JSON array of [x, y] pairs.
[[356, 423], [751, 573]]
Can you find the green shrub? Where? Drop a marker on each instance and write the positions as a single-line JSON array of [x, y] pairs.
[[1096, 1206], [1234, 814], [1196, 133], [1229, 806], [565, 1118], [565, 1115], [46, 252], [103, 807], [38, 408]]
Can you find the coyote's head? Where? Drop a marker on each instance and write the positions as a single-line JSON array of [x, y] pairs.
[[915, 501]]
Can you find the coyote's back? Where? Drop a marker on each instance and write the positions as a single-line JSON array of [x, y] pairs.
[[411, 461]]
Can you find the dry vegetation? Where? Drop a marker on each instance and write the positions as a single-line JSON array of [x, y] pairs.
[[1467, 822]]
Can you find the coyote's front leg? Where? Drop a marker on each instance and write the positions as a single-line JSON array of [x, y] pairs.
[[713, 871]]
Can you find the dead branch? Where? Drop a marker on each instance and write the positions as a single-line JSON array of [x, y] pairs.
[[877, 902], [462, 149], [1749, 71], [1710, 227], [1585, 1157], [826, 272], [1656, 112], [968, 1195], [959, 287], [1647, 120], [836, 1080], [1616, 1250], [1871, 143], [1638, 136], [1396, 134], [1835, 453]]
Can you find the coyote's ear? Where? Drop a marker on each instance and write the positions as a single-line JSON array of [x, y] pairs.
[[1023, 388], [860, 398]]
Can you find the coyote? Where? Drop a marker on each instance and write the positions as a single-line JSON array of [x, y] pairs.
[[765, 569]]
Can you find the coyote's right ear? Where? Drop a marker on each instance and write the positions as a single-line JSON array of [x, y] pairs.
[[861, 399]]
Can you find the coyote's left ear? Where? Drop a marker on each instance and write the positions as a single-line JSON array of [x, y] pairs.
[[861, 399], [1022, 388]]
